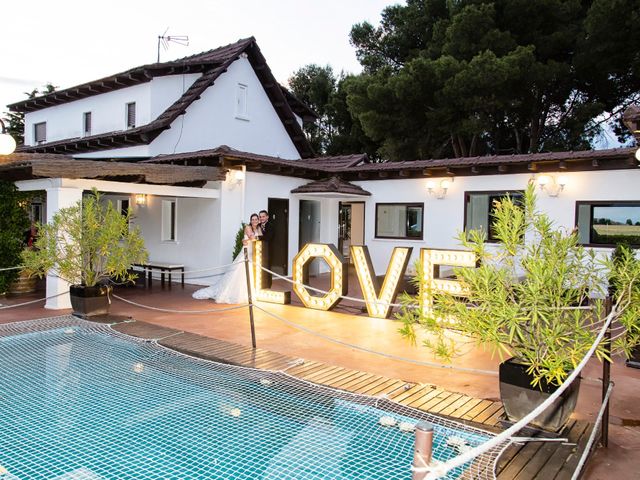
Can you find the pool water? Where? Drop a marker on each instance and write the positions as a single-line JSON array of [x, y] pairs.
[[86, 404]]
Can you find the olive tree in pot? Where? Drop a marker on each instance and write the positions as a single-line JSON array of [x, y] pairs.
[[528, 301], [89, 245]]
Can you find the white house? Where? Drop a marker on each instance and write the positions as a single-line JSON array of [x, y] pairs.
[[211, 138]]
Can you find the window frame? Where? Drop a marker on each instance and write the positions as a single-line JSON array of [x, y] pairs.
[[35, 133], [126, 115], [242, 91], [174, 227], [489, 193], [405, 204], [86, 132], [602, 203]]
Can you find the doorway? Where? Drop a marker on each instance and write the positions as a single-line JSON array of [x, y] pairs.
[[310, 211], [350, 226], [279, 250]]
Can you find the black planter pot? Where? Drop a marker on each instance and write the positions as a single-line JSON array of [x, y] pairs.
[[89, 301], [519, 397], [634, 360]]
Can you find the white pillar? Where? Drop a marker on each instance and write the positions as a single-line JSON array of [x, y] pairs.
[[57, 198]]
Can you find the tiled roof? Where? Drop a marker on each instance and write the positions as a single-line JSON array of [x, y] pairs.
[[358, 167], [331, 185], [214, 62]]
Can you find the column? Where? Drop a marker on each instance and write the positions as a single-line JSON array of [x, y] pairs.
[[57, 198]]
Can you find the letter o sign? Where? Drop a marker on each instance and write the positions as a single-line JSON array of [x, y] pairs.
[[338, 271]]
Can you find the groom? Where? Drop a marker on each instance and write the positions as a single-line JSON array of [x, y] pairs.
[[268, 231]]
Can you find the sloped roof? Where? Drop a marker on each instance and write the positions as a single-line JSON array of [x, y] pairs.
[[332, 185], [26, 166], [359, 167], [212, 64]]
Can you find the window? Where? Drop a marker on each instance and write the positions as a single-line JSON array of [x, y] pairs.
[[86, 124], [123, 206], [241, 102], [399, 220], [480, 207], [131, 115], [169, 220], [608, 223], [40, 132], [36, 213]]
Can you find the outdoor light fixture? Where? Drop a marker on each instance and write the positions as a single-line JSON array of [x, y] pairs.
[[337, 265], [552, 185], [430, 281], [638, 154], [438, 191], [7, 142], [378, 304], [141, 199]]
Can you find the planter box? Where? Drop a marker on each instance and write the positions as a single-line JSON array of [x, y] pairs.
[[23, 284], [519, 397], [89, 301], [634, 361]]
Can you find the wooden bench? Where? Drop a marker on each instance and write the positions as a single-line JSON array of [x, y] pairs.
[[167, 268]]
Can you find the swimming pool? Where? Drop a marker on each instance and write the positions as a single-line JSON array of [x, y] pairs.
[[80, 401]]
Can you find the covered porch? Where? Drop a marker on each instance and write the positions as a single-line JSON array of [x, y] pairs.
[[170, 204]]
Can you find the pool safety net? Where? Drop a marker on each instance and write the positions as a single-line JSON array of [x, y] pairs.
[[80, 400]]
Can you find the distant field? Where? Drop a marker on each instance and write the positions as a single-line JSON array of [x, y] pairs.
[[617, 229]]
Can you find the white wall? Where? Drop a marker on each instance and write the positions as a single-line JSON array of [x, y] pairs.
[[444, 218], [211, 121], [197, 235], [108, 113]]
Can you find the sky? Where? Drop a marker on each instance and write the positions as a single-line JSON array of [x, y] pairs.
[[69, 42]]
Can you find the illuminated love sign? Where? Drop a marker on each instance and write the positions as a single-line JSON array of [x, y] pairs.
[[378, 305], [377, 299], [262, 280], [338, 270], [430, 283]]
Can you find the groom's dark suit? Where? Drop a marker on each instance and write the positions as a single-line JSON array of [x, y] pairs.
[[268, 231]]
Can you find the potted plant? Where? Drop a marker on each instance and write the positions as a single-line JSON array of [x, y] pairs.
[[536, 299], [89, 245], [14, 222]]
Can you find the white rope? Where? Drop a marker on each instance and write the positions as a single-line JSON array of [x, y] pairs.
[[157, 309], [436, 471], [592, 437], [374, 352], [10, 268], [344, 297], [33, 301]]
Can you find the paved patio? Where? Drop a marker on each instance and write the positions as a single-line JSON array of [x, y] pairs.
[[619, 460]]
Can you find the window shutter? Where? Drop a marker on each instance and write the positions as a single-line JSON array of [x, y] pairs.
[[40, 132], [131, 115], [87, 123]]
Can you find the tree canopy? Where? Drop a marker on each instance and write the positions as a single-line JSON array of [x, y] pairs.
[[336, 131], [469, 77], [15, 120]]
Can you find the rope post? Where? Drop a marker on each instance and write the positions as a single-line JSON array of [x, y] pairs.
[[422, 449], [606, 376], [249, 299]]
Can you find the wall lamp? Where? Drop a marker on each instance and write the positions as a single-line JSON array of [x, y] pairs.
[[141, 199], [438, 191], [552, 185], [236, 177], [7, 142]]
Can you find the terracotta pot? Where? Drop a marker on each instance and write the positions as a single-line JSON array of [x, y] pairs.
[[89, 301], [23, 284], [519, 397]]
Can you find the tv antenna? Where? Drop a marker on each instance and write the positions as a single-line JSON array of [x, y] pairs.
[[164, 40]]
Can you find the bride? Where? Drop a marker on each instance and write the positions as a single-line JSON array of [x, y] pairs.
[[232, 286]]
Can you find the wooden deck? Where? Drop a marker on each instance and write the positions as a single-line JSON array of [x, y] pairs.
[[533, 460]]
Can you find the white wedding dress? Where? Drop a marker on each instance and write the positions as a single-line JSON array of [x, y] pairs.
[[232, 286]]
